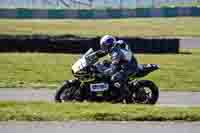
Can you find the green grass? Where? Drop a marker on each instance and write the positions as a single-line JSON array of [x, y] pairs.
[[179, 72], [141, 27], [41, 111], [182, 4]]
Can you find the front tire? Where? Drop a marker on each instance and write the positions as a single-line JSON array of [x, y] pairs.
[[67, 92], [144, 92]]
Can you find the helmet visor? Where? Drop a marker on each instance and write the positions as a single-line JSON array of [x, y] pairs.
[[107, 45]]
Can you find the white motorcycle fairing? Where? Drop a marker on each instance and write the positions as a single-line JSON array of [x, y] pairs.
[[82, 62]]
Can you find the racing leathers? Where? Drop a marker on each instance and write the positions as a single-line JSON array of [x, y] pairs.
[[123, 63]]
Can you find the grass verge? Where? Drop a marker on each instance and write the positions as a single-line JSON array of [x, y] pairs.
[[40, 111], [147, 27], [179, 72], [181, 4]]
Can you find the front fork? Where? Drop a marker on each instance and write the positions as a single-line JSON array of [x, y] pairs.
[[75, 84]]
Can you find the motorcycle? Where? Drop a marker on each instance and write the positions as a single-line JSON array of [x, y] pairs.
[[91, 85]]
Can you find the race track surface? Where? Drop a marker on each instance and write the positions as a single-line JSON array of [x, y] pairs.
[[190, 43], [99, 127], [166, 98]]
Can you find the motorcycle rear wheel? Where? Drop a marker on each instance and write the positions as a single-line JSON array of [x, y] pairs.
[[144, 92]]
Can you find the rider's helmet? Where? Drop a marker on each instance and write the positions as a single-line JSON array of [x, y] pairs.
[[107, 42]]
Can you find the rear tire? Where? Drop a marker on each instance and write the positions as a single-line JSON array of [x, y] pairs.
[[137, 97]]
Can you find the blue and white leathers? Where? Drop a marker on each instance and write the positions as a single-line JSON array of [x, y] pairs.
[[122, 59], [123, 64]]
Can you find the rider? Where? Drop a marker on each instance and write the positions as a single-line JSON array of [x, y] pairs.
[[123, 62]]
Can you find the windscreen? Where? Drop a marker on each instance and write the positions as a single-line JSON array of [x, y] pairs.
[[82, 62]]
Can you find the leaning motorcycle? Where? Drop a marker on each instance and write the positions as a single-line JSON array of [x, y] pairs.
[[91, 85]]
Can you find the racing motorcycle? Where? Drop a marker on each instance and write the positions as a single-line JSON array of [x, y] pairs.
[[91, 85]]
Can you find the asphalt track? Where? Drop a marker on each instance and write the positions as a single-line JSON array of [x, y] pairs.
[[99, 127], [190, 43], [166, 98]]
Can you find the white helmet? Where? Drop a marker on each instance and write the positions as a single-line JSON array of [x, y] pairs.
[[107, 42]]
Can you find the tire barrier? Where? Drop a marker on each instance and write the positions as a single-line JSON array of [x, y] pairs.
[[97, 13], [74, 44]]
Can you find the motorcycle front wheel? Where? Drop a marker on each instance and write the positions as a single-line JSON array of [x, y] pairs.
[[66, 93]]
